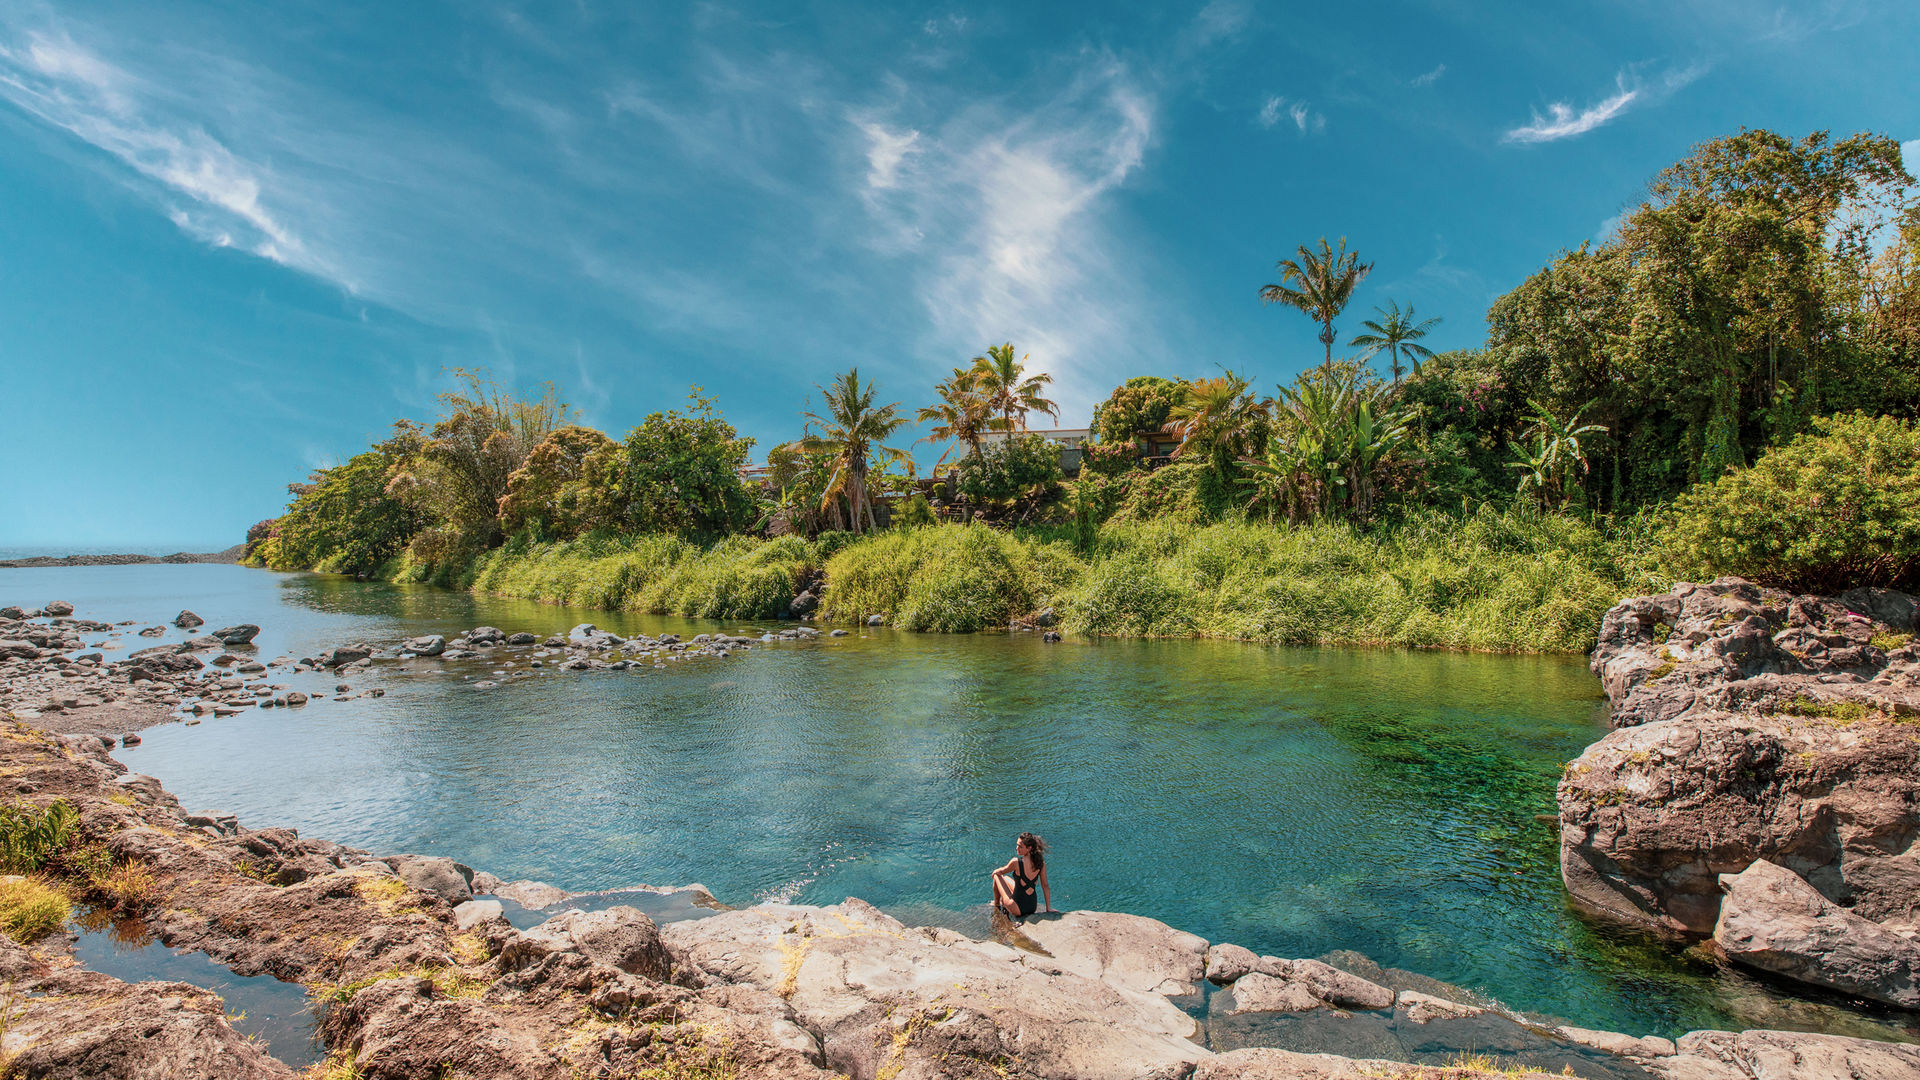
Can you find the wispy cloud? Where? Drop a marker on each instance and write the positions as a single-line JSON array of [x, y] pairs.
[[1008, 231], [1304, 117], [1430, 77], [1564, 121], [210, 191], [885, 152]]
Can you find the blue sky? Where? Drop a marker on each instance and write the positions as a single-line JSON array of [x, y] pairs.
[[234, 246]]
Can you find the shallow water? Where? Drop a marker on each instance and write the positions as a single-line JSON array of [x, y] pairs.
[[276, 1014], [1295, 801]]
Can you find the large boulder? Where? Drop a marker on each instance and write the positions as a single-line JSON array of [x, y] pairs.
[[1652, 815], [1784, 1055], [620, 937], [434, 875], [1774, 921], [425, 645], [1259, 992], [1129, 951], [1328, 983], [239, 634], [342, 655], [15, 649], [888, 1000], [58, 608]]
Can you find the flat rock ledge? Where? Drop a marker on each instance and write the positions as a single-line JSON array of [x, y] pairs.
[[1757, 729], [416, 976]]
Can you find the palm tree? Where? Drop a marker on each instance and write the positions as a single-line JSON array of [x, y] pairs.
[[1395, 332], [851, 432], [963, 414], [1215, 418], [1009, 389], [1318, 284]]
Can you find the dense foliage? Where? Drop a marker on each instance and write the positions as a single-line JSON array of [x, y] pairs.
[[1836, 507], [681, 474], [1022, 469], [1738, 361]]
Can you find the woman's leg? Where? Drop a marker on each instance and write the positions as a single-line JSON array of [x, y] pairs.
[[1003, 896]]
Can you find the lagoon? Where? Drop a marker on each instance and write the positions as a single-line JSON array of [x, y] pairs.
[[1295, 801]]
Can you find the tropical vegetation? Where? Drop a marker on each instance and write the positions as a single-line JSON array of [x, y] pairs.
[[1728, 383]]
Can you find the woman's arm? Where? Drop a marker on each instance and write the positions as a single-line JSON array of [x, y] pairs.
[[1045, 891], [1003, 871]]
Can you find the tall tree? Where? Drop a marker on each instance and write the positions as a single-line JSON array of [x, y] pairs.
[[964, 413], [1395, 333], [851, 432], [1006, 384], [1319, 283]]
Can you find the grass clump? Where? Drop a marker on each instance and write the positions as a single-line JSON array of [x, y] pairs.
[[951, 579], [1889, 640], [338, 1065], [388, 895], [31, 908], [1839, 712]]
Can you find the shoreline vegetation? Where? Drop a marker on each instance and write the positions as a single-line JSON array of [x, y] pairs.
[[1492, 581], [1728, 385]]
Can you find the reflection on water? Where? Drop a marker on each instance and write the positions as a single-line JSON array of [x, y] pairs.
[[261, 1006], [1295, 801]]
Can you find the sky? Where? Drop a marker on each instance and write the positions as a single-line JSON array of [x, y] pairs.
[[234, 248]]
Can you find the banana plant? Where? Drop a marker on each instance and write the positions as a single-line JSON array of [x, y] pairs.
[[1548, 463]]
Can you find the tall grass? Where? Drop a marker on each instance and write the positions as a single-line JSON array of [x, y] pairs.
[[737, 578], [1510, 581]]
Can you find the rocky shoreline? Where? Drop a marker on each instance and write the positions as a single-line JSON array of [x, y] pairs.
[[421, 967], [231, 555], [1763, 787]]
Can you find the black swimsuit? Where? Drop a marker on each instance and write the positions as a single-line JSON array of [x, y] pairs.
[[1023, 888]]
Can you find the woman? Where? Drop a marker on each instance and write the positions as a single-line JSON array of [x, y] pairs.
[[1013, 883]]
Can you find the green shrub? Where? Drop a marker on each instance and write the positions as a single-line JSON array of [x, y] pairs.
[[1016, 468], [954, 579], [1837, 507], [914, 513], [1175, 492], [31, 836]]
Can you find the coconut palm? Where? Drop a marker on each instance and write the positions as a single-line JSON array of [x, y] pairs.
[[963, 415], [851, 432], [1010, 390], [1394, 333], [1318, 283]]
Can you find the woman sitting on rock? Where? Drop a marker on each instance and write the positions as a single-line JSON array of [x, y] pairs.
[[1013, 883]]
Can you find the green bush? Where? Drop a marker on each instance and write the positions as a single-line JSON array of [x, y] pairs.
[[1177, 492], [1837, 507], [31, 836], [952, 579], [1019, 467]]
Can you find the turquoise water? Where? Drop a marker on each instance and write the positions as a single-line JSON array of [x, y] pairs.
[[1295, 801]]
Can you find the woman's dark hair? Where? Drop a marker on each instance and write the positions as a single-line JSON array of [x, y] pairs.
[[1038, 847]]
